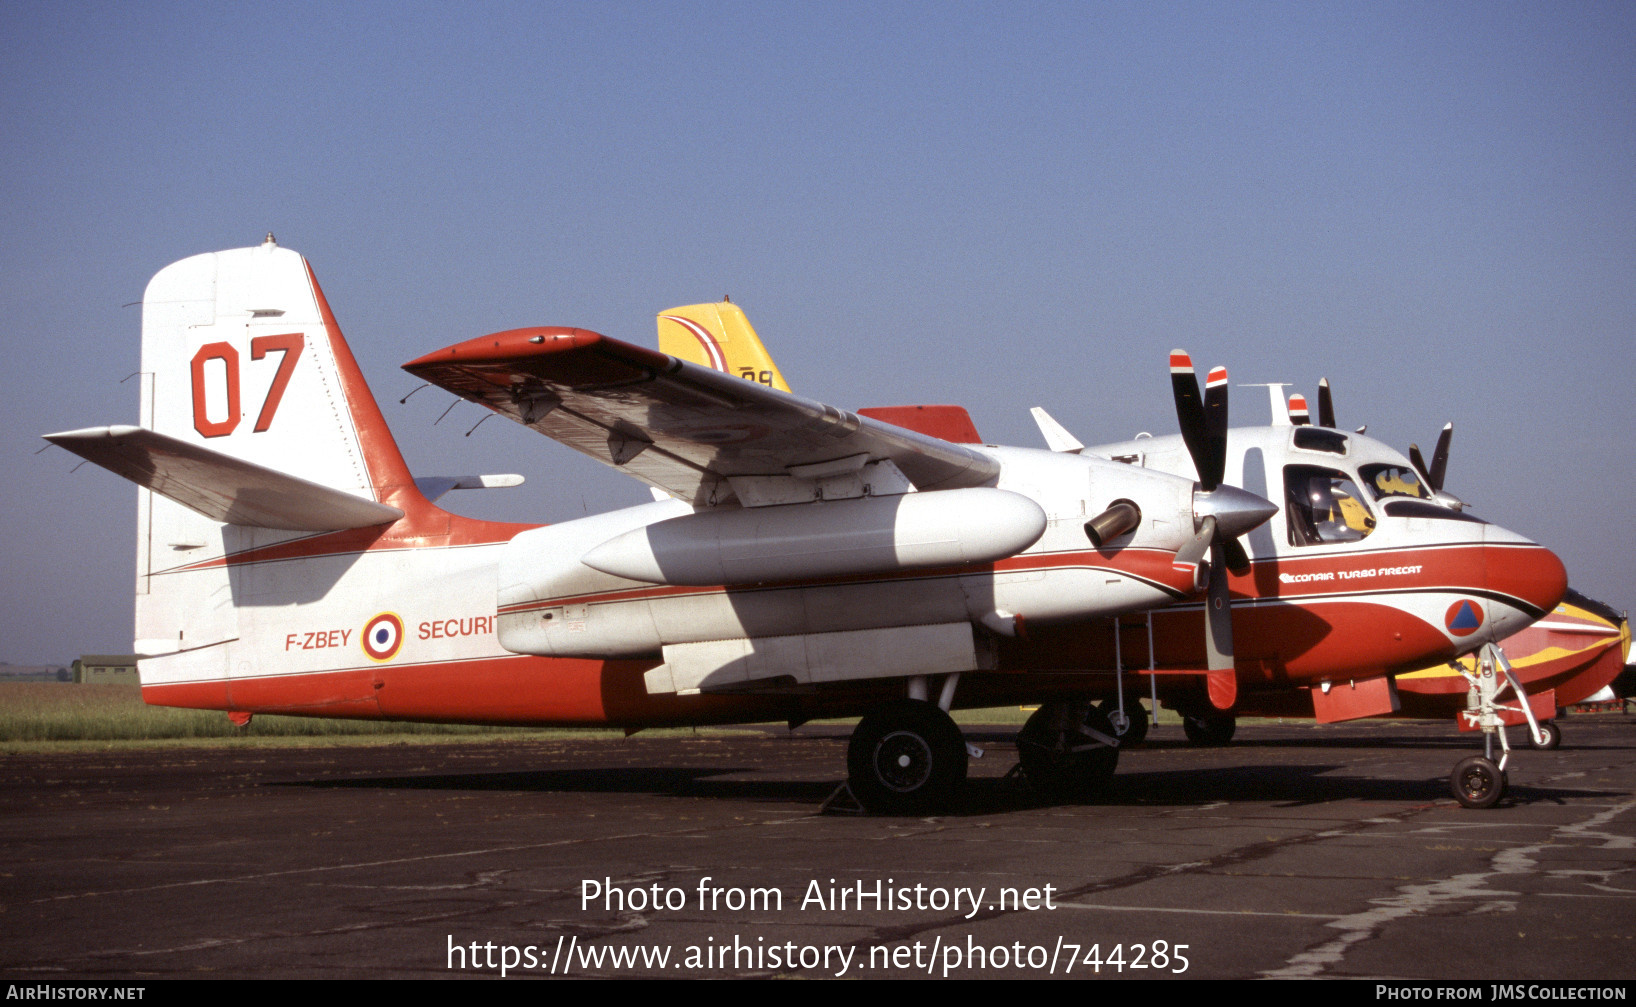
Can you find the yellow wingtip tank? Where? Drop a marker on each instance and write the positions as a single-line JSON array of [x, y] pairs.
[[718, 336]]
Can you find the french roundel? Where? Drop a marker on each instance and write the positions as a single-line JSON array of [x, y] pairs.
[[1463, 618], [382, 637]]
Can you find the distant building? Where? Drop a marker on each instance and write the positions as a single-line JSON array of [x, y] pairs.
[[34, 673], [106, 669]]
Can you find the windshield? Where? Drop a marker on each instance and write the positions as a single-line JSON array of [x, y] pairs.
[[1324, 506], [1393, 481]]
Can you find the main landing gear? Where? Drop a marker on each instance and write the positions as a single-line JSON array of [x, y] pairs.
[[1210, 730], [909, 757], [1480, 781], [905, 757], [1068, 749], [1130, 725]]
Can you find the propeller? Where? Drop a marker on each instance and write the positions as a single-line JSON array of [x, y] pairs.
[[1298, 414], [1222, 512], [1433, 476], [1440, 459], [1326, 405]]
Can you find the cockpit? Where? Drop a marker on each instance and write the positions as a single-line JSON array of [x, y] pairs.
[[1325, 505]]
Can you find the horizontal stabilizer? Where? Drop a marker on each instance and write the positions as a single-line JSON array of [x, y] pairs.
[[432, 487], [221, 487]]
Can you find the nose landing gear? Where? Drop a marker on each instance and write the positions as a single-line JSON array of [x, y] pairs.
[[1480, 781]]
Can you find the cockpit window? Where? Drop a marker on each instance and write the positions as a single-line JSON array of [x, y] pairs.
[[1324, 506], [1320, 439], [1393, 481]]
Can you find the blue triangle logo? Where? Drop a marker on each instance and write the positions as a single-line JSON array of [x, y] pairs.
[[1467, 618]]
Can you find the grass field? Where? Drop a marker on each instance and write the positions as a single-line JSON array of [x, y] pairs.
[[56, 711], [37, 715]]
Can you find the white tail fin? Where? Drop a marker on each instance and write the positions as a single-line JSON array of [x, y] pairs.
[[240, 355], [256, 428]]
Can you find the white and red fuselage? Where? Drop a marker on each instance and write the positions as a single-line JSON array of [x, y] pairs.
[[671, 613]]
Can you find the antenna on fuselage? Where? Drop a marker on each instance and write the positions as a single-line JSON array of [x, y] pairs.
[[1275, 394]]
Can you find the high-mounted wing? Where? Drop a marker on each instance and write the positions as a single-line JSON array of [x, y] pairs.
[[705, 437]]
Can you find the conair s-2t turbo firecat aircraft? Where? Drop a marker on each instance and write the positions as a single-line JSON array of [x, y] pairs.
[[1315, 556], [807, 561]]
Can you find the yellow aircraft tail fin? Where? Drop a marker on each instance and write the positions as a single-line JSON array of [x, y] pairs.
[[718, 336]]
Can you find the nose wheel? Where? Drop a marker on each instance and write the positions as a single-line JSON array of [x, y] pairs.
[[1477, 782], [1551, 733]]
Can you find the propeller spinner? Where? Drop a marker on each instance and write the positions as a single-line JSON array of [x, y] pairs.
[[1222, 513]]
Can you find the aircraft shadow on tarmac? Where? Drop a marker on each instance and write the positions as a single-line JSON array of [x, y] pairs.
[[1454, 742], [1275, 784]]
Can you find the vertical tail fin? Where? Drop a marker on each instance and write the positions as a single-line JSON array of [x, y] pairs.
[[252, 403], [241, 356], [718, 336]]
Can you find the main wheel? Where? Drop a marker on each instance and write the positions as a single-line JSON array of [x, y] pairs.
[[1553, 735], [907, 756], [1068, 749], [1210, 729], [1136, 722], [1477, 782]]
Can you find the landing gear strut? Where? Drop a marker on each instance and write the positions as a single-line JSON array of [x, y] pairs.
[[1068, 749], [1480, 781]]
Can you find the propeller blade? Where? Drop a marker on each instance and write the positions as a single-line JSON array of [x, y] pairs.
[[1326, 405], [1440, 457], [1298, 414], [1218, 616], [1419, 463], [1193, 552], [1214, 465], [1238, 560], [1189, 407]]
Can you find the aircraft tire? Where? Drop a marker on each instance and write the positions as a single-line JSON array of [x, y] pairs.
[[906, 757], [1060, 758], [1477, 783], [1210, 730], [1136, 730], [1553, 735]]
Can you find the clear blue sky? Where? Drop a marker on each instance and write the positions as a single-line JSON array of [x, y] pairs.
[[1001, 205]]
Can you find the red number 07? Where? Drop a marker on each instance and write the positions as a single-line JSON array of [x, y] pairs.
[[289, 345]]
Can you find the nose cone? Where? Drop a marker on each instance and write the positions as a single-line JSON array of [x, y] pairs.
[[1532, 575], [1236, 511]]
